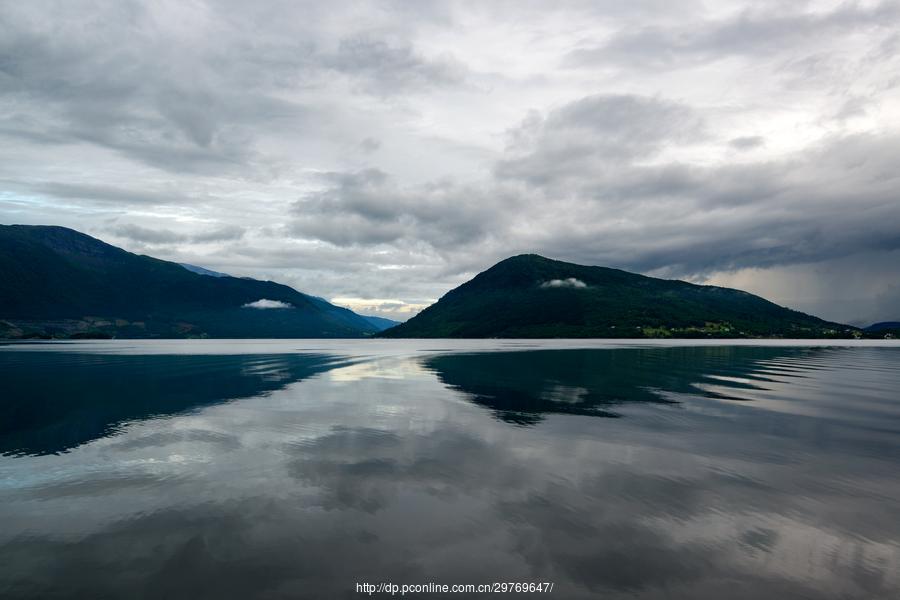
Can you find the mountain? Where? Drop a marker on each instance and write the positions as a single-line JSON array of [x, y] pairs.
[[529, 296], [885, 329], [380, 322], [57, 282], [202, 271], [524, 387], [884, 326]]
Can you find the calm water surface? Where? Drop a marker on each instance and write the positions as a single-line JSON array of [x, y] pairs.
[[297, 469]]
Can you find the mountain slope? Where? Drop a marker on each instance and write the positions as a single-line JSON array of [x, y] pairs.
[[886, 329], [202, 271], [531, 296], [380, 322], [884, 326], [54, 279]]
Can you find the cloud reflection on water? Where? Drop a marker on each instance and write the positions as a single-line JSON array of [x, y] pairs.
[[396, 471]]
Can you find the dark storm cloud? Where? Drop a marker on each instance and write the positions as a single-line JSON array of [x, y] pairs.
[[886, 303], [699, 219]]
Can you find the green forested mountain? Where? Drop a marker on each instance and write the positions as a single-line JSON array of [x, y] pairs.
[[887, 329], [58, 282], [530, 296]]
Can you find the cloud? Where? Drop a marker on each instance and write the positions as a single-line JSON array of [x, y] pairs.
[[369, 207], [149, 236], [569, 282], [701, 218], [369, 145], [597, 132], [109, 194], [685, 44], [126, 79], [265, 304], [398, 310], [356, 467], [850, 289], [747, 142], [164, 236], [219, 234], [391, 67], [392, 151]]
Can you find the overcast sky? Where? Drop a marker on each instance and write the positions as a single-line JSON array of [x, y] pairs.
[[379, 154]]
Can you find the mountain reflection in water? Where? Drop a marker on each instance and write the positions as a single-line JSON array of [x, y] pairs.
[[730, 472], [54, 401], [519, 387]]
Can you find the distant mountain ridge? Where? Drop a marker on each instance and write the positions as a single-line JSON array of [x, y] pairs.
[[203, 271], [58, 282], [885, 329], [380, 322], [884, 326], [529, 296]]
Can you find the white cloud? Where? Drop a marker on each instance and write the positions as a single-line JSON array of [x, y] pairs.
[[264, 303], [569, 282], [411, 145]]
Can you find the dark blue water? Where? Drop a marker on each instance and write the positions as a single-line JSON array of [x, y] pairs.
[[298, 469]]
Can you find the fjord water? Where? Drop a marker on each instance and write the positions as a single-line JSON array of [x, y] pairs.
[[296, 469]]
